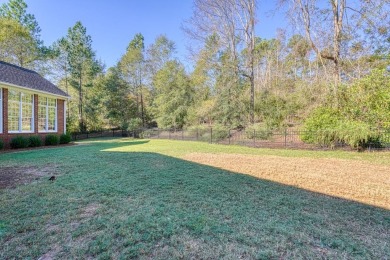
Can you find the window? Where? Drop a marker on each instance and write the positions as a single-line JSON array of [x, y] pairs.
[[47, 114], [20, 112], [1, 110]]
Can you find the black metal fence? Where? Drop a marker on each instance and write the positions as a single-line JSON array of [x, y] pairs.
[[99, 133], [287, 138]]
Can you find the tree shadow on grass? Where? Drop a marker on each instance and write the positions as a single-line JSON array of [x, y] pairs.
[[89, 146], [108, 143], [148, 205], [248, 215]]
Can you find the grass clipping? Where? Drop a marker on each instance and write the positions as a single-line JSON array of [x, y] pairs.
[[349, 179]]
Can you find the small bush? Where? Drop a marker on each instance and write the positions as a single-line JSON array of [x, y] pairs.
[[133, 124], [220, 132], [35, 141], [197, 130], [325, 127], [1, 144], [320, 125], [203, 132], [65, 138], [52, 140], [356, 134], [258, 131], [19, 142]]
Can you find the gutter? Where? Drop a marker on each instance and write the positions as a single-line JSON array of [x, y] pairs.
[[35, 90]]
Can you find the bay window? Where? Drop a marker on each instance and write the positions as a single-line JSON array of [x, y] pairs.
[[47, 114], [20, 112]]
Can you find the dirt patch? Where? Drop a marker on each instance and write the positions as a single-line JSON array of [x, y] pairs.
[[354, 180], [89, 210], [11, 177], [51, 254], [10, 150]]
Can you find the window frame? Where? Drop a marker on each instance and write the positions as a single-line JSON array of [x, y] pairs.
[[20, 127], [47, 115]]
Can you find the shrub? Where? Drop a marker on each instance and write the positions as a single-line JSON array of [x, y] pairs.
[[198, 130], [35, 141], [65, 138], [148, 133], [203, 132], [52, 140], [322, 120], [1, 144], [220, 132], [258, 131], [19, 142], [355, 134], [134, 124], [326, 127]]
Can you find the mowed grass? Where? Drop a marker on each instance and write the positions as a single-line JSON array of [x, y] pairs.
[[123, 198]]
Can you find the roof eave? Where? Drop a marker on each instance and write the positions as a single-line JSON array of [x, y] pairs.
[[35, 90]]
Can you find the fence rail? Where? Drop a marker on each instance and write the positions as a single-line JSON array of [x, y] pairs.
[[286, 138], [95, 134]]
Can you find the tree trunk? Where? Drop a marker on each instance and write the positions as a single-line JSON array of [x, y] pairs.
[[141, 96], [338, 13], [251, 48], [67, 91], [81, 118]]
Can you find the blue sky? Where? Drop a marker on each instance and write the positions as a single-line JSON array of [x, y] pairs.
[[112, 24]]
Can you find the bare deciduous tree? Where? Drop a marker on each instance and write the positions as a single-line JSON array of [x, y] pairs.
[[233, 21]]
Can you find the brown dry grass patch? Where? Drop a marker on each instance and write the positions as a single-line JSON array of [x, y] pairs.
[[11, 177], [363, 182]]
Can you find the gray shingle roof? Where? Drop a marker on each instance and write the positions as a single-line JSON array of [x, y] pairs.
[[22, 77]]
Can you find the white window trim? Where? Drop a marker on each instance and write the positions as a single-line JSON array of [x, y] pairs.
[[47, 116], [21, 115]]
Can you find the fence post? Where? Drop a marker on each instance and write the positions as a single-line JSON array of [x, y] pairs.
[[182, 134], [229, 135], [211, 135], [197, 134], [158, 133], [285, 137], [169, 134]]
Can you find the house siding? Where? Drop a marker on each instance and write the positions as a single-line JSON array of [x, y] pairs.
[[6, 137]]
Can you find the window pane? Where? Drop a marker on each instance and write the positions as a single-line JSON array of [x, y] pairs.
[[27, 112], [51, 102], [26, 124], [41, 118], [52, 119], [13, 110], [42, 101], [27, 98], [13, 96]]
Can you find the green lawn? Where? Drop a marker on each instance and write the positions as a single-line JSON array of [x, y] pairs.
[[119, 198]]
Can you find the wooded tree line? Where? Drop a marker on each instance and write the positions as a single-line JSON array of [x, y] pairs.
[[333, 55]]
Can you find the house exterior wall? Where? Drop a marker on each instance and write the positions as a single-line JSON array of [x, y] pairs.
[[7, 137]]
